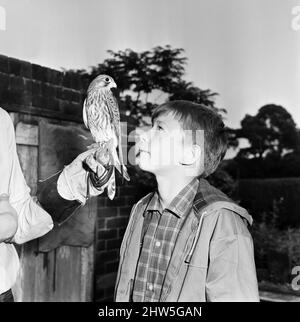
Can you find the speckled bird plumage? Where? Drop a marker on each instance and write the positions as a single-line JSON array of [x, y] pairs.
[[102, 117]]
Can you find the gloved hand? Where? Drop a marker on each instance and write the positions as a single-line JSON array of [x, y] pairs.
[[74, 182]]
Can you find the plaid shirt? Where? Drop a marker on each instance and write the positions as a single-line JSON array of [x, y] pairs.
[[160, 231]]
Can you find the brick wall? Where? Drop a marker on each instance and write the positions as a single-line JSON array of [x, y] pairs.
[[41, 91], [35, 90]]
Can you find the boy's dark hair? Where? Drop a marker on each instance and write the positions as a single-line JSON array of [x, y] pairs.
[[194, 117]]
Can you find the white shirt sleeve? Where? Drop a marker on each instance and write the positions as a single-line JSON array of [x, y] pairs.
[[33, 221]]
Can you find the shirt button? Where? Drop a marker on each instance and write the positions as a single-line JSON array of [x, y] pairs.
[[157, 244], [150, 287]]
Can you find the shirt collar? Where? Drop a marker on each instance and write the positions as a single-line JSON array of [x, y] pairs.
[[181, 204]]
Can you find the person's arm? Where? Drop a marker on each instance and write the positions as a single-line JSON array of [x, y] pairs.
[[33, 221], [65, 192], [58, 197], [231, 273]]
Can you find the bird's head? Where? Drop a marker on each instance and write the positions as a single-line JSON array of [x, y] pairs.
[[102, 82]]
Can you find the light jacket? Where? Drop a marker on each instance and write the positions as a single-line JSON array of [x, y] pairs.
[[213, 258]]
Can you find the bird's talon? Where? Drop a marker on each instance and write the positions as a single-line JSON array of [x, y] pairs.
[[94, 146]]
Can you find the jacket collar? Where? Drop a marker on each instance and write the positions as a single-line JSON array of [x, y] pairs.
[[209, 198]]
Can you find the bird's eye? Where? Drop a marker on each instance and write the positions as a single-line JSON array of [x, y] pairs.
[[107, 79]]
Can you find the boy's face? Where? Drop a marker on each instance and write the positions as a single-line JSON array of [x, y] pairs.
[[162, 149]]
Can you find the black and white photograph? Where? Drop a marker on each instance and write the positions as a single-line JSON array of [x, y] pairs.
[[149, 152]]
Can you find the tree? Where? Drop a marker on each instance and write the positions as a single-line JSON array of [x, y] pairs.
[[271, 132], [145, 77], [274, 145]]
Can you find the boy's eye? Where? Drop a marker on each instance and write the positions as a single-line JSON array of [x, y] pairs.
[[157, 126]]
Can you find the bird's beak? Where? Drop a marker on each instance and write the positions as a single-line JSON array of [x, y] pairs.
[[113, 85]]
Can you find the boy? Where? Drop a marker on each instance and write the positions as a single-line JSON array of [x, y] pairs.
[[187, 241]]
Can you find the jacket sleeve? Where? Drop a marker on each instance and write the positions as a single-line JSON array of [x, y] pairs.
[[231, 275], [58, 208]]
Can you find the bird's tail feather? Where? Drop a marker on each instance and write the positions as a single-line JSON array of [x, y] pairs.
[[118, 163], [120, 167], [123, 169]]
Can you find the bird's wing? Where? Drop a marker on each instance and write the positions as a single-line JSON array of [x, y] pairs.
[[84, 114], [113, 108], [115, 119]]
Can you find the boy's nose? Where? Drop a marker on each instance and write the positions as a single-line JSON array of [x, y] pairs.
[[144, 141]]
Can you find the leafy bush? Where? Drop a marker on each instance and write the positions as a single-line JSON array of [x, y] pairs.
[[222, 180], [276, 250], [258, 195]]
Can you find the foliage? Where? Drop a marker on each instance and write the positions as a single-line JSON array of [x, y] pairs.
[[257, 195], [147, 77], [273, 166], [275, 247], [274, 145], [271, 132], [223, 181]]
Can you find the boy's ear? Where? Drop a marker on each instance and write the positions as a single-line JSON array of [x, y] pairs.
[[192, 155]]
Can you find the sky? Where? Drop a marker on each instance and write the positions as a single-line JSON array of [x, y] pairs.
[[248, 51]]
